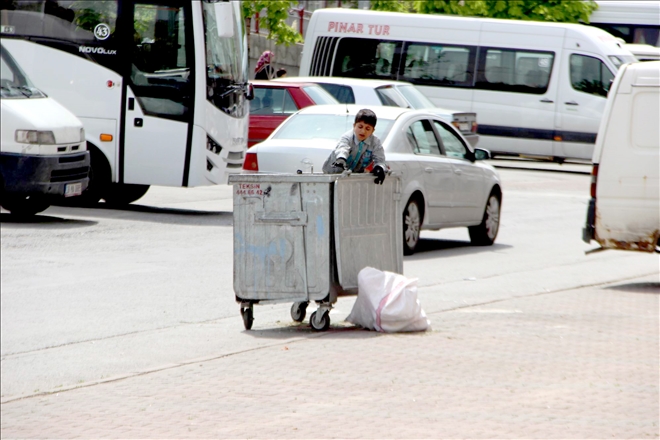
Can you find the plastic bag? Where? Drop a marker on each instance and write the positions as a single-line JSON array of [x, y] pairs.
[[387, 302]]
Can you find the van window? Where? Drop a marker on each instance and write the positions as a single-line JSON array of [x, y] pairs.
[[426, 63], [513, 70], [366, 58], [590, 75], [421, 137]]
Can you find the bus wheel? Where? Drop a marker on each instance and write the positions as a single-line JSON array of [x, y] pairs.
[[24, 205], [119, 194]]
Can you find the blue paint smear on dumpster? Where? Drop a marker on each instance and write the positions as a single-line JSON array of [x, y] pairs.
[[320, 228], [261, 252]]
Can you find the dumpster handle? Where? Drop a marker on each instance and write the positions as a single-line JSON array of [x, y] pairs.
[[304, 237]]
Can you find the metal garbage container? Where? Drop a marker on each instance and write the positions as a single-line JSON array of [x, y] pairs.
[[304, 237]]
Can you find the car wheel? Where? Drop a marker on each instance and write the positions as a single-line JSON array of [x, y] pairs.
[[412, 222], [485, 233]]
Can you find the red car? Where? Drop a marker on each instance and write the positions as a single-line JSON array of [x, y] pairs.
[[274, 102]]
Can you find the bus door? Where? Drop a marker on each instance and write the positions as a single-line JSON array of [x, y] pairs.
[[158, 109]]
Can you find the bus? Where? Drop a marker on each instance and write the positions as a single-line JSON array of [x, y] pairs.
[[161, 86], [636, 22]]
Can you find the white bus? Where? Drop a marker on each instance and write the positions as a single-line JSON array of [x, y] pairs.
[[538, 89], [636, 22], [160, 85]]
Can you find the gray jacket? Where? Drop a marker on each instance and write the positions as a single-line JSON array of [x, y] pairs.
[[349, 148]]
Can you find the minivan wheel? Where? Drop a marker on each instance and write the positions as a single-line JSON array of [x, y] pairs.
[[412, 222], [485, 233]]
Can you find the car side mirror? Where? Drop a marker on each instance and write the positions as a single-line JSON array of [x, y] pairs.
[[481, 154], [249, 92]]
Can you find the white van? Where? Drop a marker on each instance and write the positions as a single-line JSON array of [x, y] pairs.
[[538, 88], [43, 153], [624, 210]]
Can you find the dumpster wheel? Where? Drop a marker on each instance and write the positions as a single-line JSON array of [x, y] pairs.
[[248, 316], [321, 324], [298, 311]]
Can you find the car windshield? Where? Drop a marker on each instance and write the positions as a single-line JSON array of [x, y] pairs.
[[415, 97], [314, 126], [319, 95]]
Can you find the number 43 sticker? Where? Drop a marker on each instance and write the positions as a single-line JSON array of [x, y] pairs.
[[102, 31]]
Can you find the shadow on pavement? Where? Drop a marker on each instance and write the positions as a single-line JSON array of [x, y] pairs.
[[647, 287], [428, 245], [154, 214], [57, 222], [341, 329]]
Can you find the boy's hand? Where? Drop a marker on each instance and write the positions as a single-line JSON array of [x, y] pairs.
[[340, 163], [379, 172]]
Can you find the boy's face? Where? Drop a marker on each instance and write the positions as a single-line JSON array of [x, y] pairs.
[[362, 130]]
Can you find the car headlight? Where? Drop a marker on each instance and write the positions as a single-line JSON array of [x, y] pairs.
[[35, 137]]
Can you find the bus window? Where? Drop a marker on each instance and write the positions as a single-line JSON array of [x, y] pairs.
[[514, 70], [436, 64], [160, 74], [590, 75]]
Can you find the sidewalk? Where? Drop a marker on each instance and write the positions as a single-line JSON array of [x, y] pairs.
[[571, 364]]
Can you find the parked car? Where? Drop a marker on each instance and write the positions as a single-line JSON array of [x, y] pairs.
[[444, 182], [274, 102], [392, 93]]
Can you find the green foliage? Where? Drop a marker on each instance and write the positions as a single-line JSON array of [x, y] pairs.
[[277, 11], [539, 10], [392, 5]]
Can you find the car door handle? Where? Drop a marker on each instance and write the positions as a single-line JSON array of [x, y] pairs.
[[571, 103], [548, 101], [428, 170]]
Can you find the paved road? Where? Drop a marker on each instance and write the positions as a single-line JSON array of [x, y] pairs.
[[530, 339]]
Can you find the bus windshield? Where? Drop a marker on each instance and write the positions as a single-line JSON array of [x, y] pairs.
[[226, 71]]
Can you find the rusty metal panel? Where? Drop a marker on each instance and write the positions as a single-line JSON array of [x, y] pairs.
[[368, 226]]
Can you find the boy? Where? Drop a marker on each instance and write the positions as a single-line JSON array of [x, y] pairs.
[[359, 150]]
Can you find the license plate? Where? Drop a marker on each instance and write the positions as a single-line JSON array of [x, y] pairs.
[[464, 126], [72, 189]]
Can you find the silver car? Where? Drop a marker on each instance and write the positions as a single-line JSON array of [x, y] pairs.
[[445, 182]]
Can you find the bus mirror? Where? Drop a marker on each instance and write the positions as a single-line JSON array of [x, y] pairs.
[[249, 93], [224, 19]]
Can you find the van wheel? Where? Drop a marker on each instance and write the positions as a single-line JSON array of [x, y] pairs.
[[119, 194], [412, 223], [20, 205], [485, 233]]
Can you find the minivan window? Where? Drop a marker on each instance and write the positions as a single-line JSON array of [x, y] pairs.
[[514, 70], [590, 75], [366, 58], [439, 64]]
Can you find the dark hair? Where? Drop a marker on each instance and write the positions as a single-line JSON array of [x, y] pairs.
[[367, 116], [280, 72]]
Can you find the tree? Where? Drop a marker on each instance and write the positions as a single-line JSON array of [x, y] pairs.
[[277, 11], [540, 10], [392, 6]]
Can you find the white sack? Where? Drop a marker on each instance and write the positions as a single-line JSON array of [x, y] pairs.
[[387, 302]]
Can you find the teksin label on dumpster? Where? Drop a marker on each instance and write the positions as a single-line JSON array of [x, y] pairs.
[[250, 189]]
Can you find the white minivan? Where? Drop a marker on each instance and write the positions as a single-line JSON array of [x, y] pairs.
[[43, 152], [538, 88], [624, 210]]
